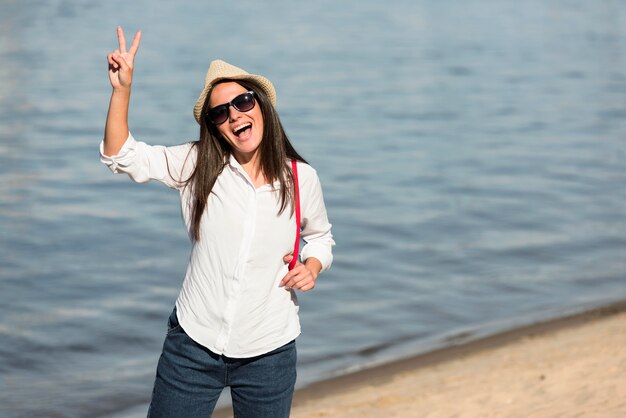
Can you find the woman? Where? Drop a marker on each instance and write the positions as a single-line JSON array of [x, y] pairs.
[[236, 317]]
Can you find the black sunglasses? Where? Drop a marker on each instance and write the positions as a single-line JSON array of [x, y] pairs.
[[219, 114]]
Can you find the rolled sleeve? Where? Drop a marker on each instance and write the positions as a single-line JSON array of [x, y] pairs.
[[123, 159], [320, 251], [143, 162]]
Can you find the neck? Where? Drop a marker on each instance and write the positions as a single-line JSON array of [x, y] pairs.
[[251, 165]]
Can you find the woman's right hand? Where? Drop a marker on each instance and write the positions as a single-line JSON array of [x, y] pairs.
[[121, 62]]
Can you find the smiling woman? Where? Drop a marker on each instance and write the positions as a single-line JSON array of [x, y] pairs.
[[244, 130], [236, 316]]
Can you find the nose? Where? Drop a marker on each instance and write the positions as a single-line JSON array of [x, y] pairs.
[[232, 113]]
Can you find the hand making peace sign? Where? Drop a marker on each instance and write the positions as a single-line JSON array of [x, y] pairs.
[[121, 62]]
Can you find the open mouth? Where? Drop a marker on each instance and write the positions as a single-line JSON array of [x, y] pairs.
[[243, 131]]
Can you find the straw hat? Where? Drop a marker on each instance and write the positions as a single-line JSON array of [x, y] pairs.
[[219, 70]]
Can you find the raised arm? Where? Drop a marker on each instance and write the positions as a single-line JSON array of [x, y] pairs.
[[121, 63]]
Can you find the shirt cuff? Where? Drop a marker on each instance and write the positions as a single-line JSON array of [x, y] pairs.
[[319, 251], [123, 158]]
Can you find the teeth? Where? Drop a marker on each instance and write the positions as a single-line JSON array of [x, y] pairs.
[[240, 128]]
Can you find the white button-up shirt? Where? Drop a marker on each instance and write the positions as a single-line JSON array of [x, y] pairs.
[[230, 301]]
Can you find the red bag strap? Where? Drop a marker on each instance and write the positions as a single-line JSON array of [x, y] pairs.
[[296, 189]]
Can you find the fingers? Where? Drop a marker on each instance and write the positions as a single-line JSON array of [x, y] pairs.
[[307, 287], [121, 39], [113, 59], [302, 283], [112, 62], [118, 62], [135, 45], [299, 278]]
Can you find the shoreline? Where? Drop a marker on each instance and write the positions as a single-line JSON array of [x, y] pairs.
[[384, 374]]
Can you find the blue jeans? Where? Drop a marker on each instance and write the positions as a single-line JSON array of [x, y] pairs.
[[190, 379]]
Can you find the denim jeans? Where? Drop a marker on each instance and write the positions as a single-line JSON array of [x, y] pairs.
[[190, 379]]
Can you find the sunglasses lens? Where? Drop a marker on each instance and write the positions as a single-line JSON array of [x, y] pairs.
[[218, 114], [244, 102]]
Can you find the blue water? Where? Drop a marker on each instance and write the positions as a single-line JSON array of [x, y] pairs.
[[472, 155]]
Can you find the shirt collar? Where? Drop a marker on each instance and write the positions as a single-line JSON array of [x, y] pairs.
[[232, 161], [234, 164]]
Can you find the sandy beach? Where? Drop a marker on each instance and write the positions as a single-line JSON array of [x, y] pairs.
[[565, 368], [568, 367]]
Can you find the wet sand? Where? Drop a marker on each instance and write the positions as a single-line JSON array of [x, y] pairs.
[[573, 366]]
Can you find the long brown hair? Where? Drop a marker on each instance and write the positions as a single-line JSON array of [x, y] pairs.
[[213, 154]]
